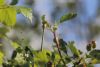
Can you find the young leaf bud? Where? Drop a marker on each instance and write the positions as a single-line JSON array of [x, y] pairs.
[[55, 27], [88, 47], [93, 44]]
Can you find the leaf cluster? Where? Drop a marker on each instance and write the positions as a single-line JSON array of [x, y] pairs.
[[25, 56]]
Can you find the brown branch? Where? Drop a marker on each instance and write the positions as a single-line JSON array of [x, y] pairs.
[[57, 44]]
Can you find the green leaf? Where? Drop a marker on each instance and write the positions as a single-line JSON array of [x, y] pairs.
[[14, 54], [26, 65], [27, 12], [41, 56], [95, 54], [59, 65], [15, 45], [68, 59], [43, 18], [53, 56], [28, 51], [57, 58], [1, 57], [63, 45], [73, 49], [3, 31], [19, 49], [14, 2], [89, 47], [48, 55], [2, 2], [67, 17], [8, 15]]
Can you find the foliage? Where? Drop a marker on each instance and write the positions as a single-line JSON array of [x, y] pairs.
[[14, 2], [8, 13], [25, 56], [68, 17], [1, 57]]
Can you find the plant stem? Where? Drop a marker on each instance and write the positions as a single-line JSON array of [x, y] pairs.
[[57, 44], [42, 37]]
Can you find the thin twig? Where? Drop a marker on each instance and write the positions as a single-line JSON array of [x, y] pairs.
[[42, 38], [57, 44]]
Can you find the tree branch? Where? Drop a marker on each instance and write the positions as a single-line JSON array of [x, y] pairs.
[[57, 44]]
